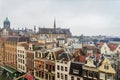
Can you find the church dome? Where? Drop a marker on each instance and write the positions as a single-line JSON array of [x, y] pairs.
[[6, 20], [6, 23]]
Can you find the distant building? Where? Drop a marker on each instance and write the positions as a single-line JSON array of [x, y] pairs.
[[104, 49], [54, 32], [114, 47], [6, 23], [7, 31]]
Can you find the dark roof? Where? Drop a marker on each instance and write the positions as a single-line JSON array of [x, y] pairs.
[[23, 39], [64, 56], [13, 38], [17, 39], [60, 38], [76, 69], [51, 31]]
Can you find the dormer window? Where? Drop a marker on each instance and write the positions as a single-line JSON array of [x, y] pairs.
[[106, 67], [75, 71]]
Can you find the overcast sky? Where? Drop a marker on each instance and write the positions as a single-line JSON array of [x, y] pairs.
[[88, 17]]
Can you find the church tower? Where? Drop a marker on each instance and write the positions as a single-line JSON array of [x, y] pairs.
[[34, 29], [54, 26], [6, 23]]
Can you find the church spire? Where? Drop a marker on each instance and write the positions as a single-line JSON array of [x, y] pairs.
[[54, 25]]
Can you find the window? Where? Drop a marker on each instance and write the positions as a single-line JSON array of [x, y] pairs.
[[61, 68], [42, 74], [72, 78], [46, 66], [19, 65], [75, 71], [91, 74], [58, 67], [109, 76], [66, 69], [96, 75], [23, 68], [102, 76], [105, 51], [46, 76], [23, 62], [18, 55], [58, 75], [66, 77], [61, 76], [106, 67], [53, 68], [78, 78]]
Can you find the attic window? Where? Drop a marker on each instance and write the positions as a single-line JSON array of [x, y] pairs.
[[75, 71], [106, 67]]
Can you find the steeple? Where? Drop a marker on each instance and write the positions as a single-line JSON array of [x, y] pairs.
[[54, 26], [34, 29]]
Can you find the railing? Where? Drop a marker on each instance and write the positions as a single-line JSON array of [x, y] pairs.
[[19, 77]]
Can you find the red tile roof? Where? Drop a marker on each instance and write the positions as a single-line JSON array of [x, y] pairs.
[[112, 46], [82, 58]]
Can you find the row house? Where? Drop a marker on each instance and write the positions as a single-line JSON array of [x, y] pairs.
[[109, 48], [2, 49], [90, 71], [9, 53], [45, 63], [39, 64], [50, 63], [115, 48], [104, 49], [30, 60], [11, 50], [21, 57], [106, 72], [98, 69], [76, 70], [62, 66]]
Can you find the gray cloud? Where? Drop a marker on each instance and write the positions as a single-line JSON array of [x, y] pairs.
[[89, 17]]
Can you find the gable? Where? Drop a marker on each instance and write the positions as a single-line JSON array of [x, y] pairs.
[[90, 63], [106, 67], [112, 46]]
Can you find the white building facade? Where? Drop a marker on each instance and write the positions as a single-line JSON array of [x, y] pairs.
[[105, 49], [62, 70], [21, 58]]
